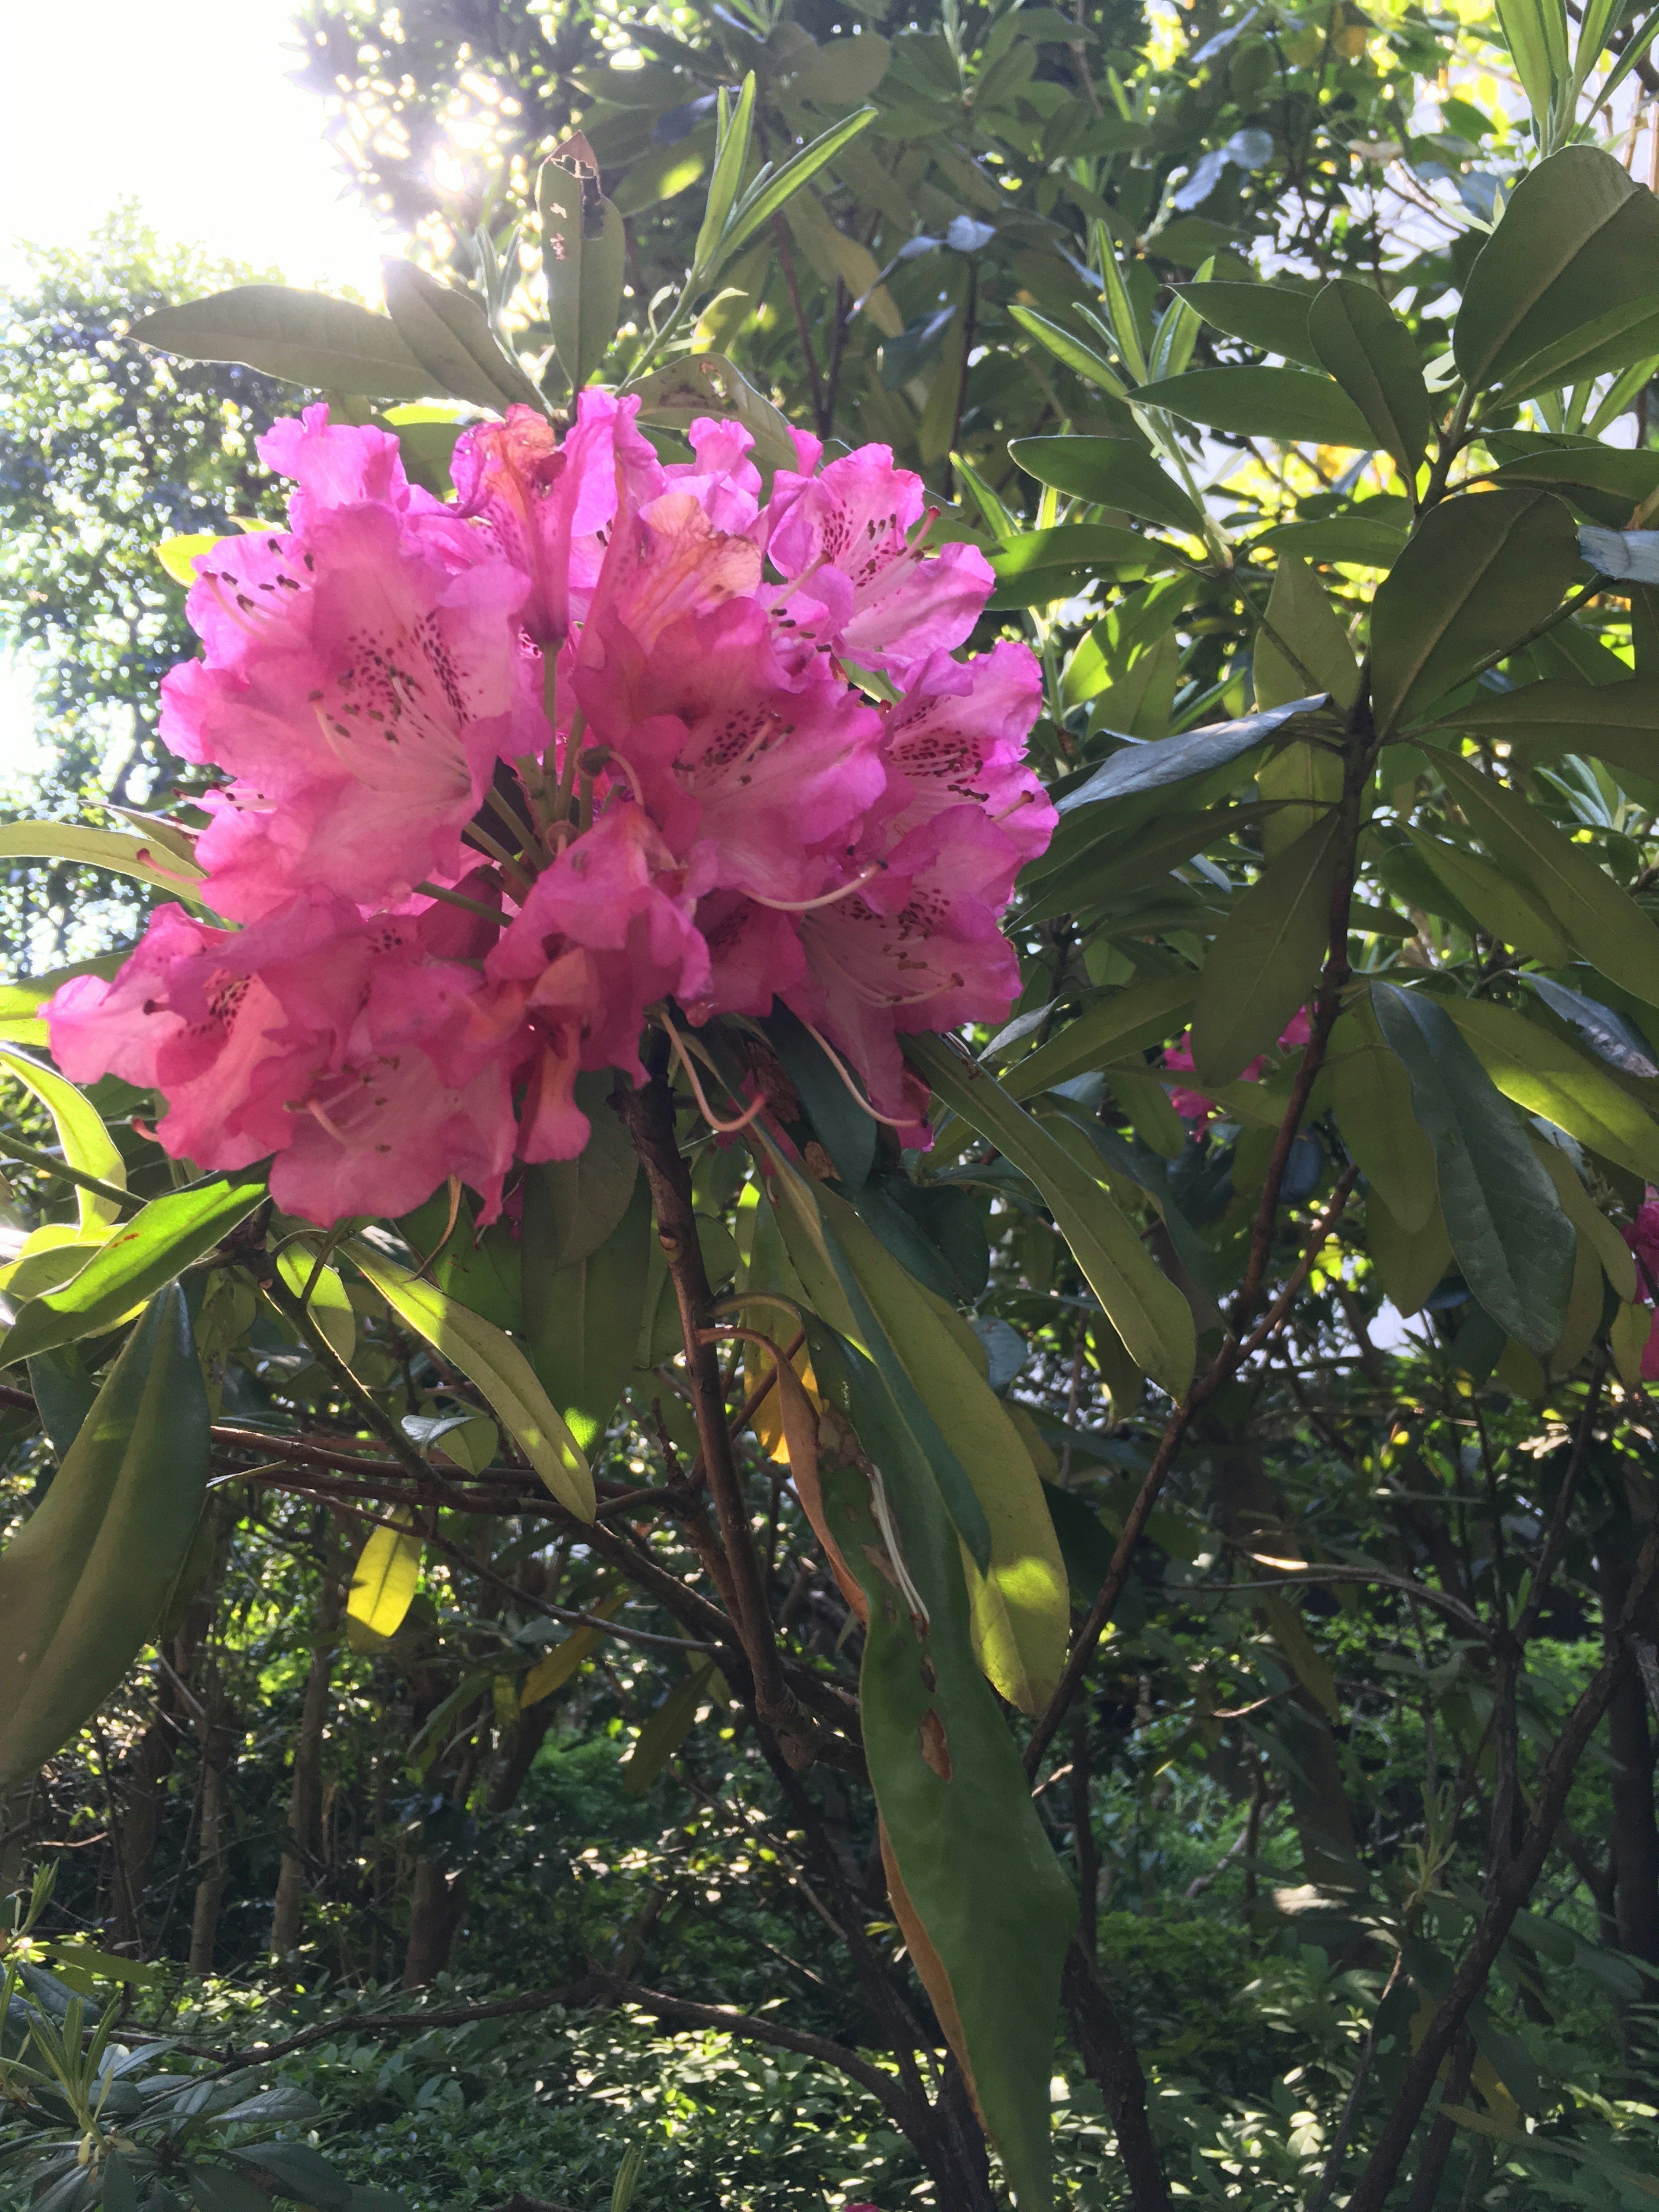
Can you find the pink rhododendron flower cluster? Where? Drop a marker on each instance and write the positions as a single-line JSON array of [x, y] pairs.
[[507, 776], [1643, 1237], [1192, 1105]]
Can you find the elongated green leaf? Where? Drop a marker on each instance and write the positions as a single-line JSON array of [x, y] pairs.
[[1269, 316], [1266, 958], [1371, 1097], [1076, 545], [1617, 723], [730, 154], [705, 383], [1576, 243], [582, 1320], [582, 257], [1479, 573], [1065, 346], [149, 1248], [1598, 914], [1302, 621], [1145, 1013], [1171, 760], [122, 853], [83, 1581], [1535, 31], [1511, 1239], [577, 1203], [87, 1143], [762, 200], [1105, 875], [1019, 1607], [1371, 355], [1542, 1074], [1512, 913], [496, 1364], [668, 1727], [1144, 1307], [976, 1868], [1359, 540], [1411, 1262], [302, 337], [330, 1309], [449, 334], [1289, 404], [1113, 471], [1626, 474]]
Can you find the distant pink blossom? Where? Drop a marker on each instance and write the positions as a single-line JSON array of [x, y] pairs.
[[1192, 1105], [649, 668], [1643, 1237]]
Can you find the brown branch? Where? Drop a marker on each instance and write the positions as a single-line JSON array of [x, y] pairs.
[[401, 2023]]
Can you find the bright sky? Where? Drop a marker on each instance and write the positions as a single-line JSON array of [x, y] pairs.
[[186, 107]]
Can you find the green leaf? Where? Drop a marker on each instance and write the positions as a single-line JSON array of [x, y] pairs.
[[706, 383], [662, 175], [768, 194], [1288, 404], [1512, 914], [1479, 573], [1302, 621], [496, 1364], [1172, 760], [1082, 360], [63, 1394], [1111, 870], [577, 1203], [1076, 545], [669, 1726], [1145, 1013], [86, 1143], [1564, 287], [146, 1251], [1372, 356], [1266, 957], [1370, 1097], [1598, 914], [1357, 539], [1144, 1307], [582, 1319], [1617, 723], [1411, 1262], [972, 1858], [1116, 472], [118, 850], [303, 337], [1510, 1238], [843, 71], [83, 1580], [449, 334], [1546, 1076], [1266, 316], [1536, 32], [730, 154], [582, 255], [330, 1309]]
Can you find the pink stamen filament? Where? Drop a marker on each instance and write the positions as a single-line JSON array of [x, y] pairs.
[[828, 898], [859, 1099]]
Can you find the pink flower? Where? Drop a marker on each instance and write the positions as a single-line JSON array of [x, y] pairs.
[[1192, 1105], [719, 821], [338, 1044], [862, 581], [549, 506]]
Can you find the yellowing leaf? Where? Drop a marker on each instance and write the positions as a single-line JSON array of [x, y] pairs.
[[178, 556], [566, 1659], [384, 1583]]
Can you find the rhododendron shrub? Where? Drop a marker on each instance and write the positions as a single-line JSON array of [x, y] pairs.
[[604, 742]]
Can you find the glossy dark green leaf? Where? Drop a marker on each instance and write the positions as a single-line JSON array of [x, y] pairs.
[[64, 1393], [1289, 404], [1546, 1076], [1144, 1307], [1508, 909], [1116, 472], [1617, 723], [575, 1203], [1079, 356], [1372, 356], [1626, 476], [668, 1727], [1479, 573], [144, 1252], [976, 1865], [1268, 316], [1370, 1097], [1598, 914], [846, 1130], [1266, 959], [1562, 288], [1171, 760], [581, 1322], [83, 1580], [449, 334], [303, 337], [1106, 874], [1509, 1234], [299, 2173]]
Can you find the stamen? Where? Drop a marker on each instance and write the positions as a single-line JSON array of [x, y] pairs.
[[858, 1096], [338, 1134], [828, 898], [722, 1129]]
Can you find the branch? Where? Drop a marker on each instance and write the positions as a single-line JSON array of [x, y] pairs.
[[879, 2085]]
